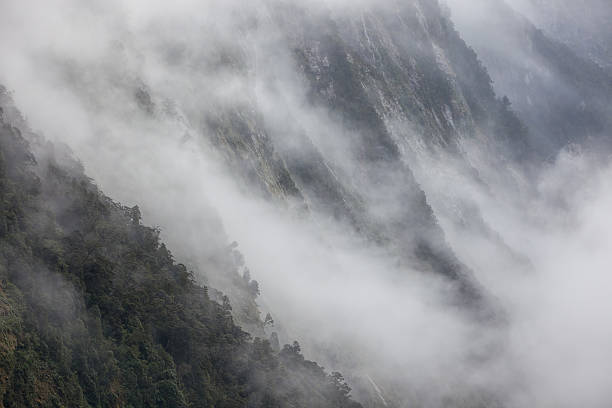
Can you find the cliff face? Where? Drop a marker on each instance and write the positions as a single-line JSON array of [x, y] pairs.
[[394, 83], [389, 87]]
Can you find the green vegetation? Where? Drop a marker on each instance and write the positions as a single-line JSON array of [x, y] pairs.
[[95, 312]]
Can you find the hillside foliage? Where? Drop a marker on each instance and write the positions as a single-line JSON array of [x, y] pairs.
[[95, 312]]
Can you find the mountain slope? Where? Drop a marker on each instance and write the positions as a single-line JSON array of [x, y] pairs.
[[96, 312], [335, 114], [388, 83], [584, 27], [561, 96]]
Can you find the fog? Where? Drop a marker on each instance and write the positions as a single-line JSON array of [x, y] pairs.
[[550, 59], [585, 26], [75, 68], [559, 301]]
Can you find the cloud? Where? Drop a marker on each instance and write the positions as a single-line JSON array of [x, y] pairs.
[[128, 86]]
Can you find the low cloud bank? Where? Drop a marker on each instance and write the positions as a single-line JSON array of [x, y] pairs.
[[124, 86]]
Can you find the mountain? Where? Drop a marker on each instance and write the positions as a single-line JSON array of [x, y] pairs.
[[584, 27], [96, 312], [330, 114], [395, 81], [560, 92], [376, 170]]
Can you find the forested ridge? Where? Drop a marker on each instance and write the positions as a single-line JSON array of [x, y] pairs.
[[95, 311]]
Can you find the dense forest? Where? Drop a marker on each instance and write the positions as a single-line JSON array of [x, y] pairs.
[[95, 312]]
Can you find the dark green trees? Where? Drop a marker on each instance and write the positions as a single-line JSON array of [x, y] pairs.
[[95, 312]]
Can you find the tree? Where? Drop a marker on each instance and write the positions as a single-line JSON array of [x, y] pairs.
[[268, 321]]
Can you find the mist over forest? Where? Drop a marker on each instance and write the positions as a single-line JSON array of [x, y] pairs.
[[305, 203]]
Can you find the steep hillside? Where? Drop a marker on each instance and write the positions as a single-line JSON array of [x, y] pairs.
[[326, 117], [324, 108], [583, 26], [388, 84], [95, 312], [561, 95]]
